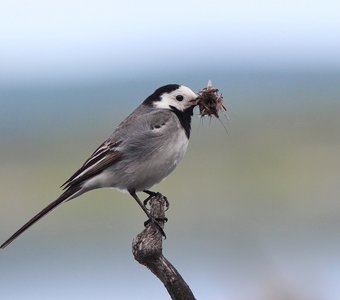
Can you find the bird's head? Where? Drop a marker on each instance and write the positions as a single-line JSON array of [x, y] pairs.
[[172, 96]]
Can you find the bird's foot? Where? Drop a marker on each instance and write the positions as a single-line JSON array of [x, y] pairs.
[[155, 194], [158, 225], [151, 195]]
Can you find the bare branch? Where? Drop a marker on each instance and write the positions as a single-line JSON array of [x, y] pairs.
[[147, 250]]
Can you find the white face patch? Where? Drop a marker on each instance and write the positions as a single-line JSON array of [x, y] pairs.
[[181, 98]]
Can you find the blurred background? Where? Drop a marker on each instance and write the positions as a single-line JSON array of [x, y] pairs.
[[255, 209]]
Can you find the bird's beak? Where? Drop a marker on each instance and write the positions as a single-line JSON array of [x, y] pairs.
[[194, 101]]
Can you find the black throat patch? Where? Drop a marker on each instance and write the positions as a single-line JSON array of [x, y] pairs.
[[184, 118]]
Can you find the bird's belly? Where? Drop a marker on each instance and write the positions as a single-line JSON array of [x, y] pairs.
[[143, 172], [162, 163]]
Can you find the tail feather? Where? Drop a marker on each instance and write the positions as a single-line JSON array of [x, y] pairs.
[[67, 195]]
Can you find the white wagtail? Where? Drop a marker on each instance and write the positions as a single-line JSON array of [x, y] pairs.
[[143, 150]]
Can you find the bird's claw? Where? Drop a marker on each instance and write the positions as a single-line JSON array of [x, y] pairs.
[[151, 195], [167, 203], [156, 194]]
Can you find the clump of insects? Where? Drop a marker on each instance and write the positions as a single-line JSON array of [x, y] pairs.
[[210, 102]]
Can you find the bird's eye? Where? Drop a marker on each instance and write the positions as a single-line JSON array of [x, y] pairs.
[[179, 97]]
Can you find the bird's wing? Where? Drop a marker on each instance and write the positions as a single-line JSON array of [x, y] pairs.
[[106, 154], [135, 133], [155, 122], [149, 132], [160, 120]]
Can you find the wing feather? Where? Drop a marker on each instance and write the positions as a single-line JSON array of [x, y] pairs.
[[104, 156], [146, 126]]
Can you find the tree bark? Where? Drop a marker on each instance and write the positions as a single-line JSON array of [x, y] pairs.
[[147, 250]]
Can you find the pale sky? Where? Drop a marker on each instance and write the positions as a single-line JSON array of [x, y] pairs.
[[42, 39]]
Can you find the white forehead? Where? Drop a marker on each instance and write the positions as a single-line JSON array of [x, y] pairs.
[[169, 99]]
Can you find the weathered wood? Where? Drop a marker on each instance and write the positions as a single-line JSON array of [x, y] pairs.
[[147, 250]]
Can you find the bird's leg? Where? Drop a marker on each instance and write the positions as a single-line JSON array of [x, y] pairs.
[[151, 218], [154, 194]]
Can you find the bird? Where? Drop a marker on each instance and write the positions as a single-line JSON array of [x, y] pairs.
[[143, 150]]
